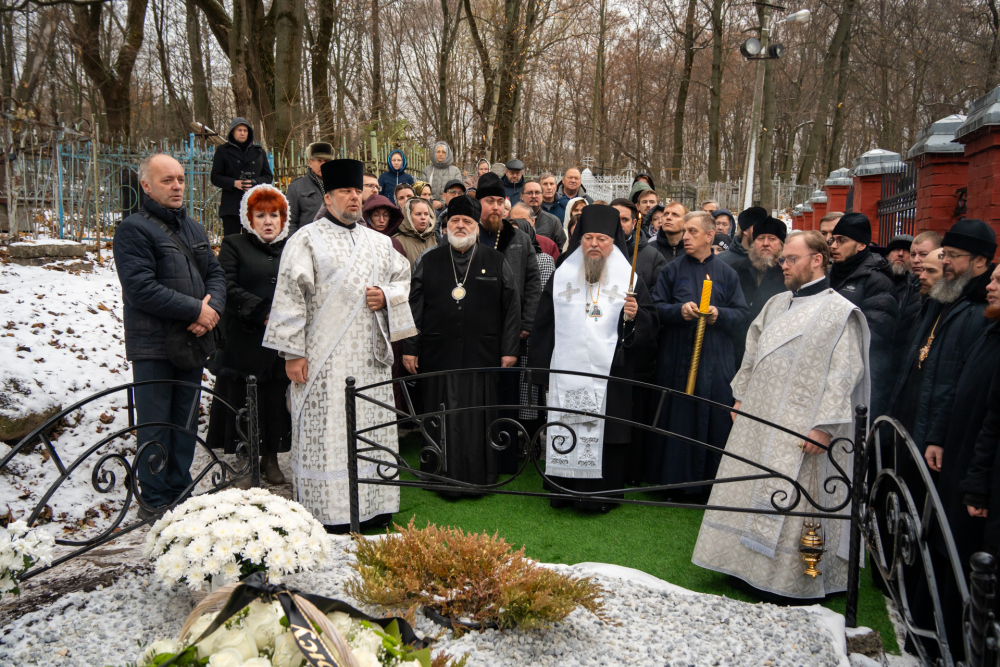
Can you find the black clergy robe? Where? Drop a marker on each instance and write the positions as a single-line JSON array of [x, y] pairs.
[[669, 460], [474, 332], [637, 334]]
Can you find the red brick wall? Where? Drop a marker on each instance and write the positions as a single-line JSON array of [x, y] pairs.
[[836, 199], [867, 192], [819, 210], [938, 177], [982, 148]]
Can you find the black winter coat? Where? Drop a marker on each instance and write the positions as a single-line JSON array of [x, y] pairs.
[[756, 296], [230, 163], [251, 268], [649, 263], [669, 252], [159, 285], [868, 285], [954, 335], [519, 251]]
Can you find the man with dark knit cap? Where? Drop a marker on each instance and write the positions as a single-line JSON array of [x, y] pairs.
[[865, 280], [517, 248], [760, 276], [466, 308], [340, 301], [305, 193], [744, 238], [924, 394], [906, 289]]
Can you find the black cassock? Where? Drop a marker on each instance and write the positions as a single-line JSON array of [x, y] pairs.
[[474, 332], [637, 334]]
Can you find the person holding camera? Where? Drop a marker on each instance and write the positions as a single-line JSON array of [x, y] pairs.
[[174, 291], [238, 165]]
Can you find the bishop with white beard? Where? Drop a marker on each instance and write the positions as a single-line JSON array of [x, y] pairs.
[[340, 300], [587, 322]]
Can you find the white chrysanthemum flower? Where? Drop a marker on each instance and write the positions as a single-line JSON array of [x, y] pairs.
[[231, 570], [199, 548], [254, 552]]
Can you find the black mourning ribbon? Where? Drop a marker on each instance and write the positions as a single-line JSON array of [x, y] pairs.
[[256, 587]]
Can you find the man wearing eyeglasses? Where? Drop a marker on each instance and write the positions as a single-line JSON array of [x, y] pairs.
[[925, 391], [805, 369], [865, 279]]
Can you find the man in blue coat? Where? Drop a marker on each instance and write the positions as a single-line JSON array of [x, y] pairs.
[[165, 295], [676, 296]]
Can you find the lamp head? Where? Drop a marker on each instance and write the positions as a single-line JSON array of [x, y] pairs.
[[750, 48]]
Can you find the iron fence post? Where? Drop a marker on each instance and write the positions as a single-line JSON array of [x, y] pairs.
[[978, 615], [350, 392], [857, 514], [254, 432]]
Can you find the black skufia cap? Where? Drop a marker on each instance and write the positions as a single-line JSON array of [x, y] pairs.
[[490, 185], [771, 225], [973, 236], [854, 226], [751, 216], [343, 174], [465, 205]]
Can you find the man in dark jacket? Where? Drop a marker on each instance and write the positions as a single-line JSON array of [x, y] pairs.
[[163, 294], [237, 166], [906, 289], [546, 224], [739, 250], [924, 393], [572, 186], [305, 193], [669, 240], [512, 183], [864, 279], [649, 262], [760, 274]]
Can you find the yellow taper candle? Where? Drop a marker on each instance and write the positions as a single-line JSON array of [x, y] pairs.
[[699, 337]]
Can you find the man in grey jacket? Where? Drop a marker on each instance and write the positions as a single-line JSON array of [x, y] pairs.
[[546, 224], [305, 193]]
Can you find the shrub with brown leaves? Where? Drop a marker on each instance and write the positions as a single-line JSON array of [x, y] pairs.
[[467, 577]]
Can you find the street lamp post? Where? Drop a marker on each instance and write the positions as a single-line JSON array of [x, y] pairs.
[[761, 50]]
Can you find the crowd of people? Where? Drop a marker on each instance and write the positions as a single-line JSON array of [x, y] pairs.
[[351, 274]]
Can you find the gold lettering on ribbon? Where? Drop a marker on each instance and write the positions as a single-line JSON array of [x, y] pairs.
[[311, 646]]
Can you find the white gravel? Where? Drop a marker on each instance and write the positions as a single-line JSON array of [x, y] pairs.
[[657, 626]]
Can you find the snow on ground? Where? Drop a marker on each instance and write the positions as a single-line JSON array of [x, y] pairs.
[[64, 332]]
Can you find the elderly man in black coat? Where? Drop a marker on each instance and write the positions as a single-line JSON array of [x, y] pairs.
[[174, 291], [924, 393], [466, 307], [865, 279], [760, 275]]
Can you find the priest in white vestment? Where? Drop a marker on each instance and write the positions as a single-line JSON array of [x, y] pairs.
[[340, 300], [805, 368]]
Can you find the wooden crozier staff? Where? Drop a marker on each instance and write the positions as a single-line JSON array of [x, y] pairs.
[[635, 256]]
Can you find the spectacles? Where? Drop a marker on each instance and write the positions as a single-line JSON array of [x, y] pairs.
[[838, 240], [371, 186], [790, 260], [952, 256]]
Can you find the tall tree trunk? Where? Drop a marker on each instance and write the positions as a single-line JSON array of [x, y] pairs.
[[289, 18], [376, 65], [839, 109], [448, 38], [260, 51], [682, 92], [238, 65], [7, 54], [36, 57], [715, 94], [597, 106], [113, 81], [179, 105], [487, 111], [199, 84], [320, 70], [823, 108]]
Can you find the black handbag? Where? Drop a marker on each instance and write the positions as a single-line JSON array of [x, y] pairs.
[[184, 349]]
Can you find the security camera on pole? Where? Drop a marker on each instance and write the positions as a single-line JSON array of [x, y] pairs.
[[760, 50]]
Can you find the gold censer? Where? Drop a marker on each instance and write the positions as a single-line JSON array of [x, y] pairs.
[[811, 546]]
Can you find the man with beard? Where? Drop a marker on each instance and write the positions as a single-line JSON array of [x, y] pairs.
[[669, 240], [923, 243], [598, 326], [924, 394], [305, 194], [805, 369], [864, 279], [906, 289], [516, 247], [951, 457], [466, 307], [931, 273], [339, 303], [760, 276], [546, 224], [676, 296], [744, 236]]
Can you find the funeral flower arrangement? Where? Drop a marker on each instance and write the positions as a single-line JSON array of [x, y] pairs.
[[231, 534], [20, 548]]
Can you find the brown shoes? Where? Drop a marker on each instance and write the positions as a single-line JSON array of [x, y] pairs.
[[270, 471]]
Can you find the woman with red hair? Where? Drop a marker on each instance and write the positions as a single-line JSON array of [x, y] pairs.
[[250, 261]]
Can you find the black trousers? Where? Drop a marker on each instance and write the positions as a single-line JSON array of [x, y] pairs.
[[231, 225]]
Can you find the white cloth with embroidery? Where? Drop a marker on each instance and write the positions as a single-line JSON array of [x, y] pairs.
[[319, 312], [806, 367], [585, 344]]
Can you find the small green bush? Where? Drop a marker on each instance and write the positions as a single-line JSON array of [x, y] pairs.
[[467, 577]]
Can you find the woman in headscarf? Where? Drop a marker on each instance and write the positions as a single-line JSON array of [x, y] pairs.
[[416, 234], [573, 207], [440, 170], [394, 175], [384, 217], [251, 262], [472, 181]]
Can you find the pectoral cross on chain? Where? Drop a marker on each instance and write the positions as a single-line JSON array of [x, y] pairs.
[[570, 291]]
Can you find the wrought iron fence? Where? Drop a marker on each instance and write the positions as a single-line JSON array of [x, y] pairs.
[[897, 205], [790, 500], [114, 450]]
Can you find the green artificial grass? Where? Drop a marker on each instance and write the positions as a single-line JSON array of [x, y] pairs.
[[656, 540]]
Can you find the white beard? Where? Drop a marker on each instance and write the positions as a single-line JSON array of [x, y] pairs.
[[462, 243]]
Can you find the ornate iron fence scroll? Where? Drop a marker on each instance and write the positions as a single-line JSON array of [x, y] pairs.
[[844, 485], [122, 448]]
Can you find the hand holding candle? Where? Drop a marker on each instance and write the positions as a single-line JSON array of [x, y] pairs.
[[705, 310]]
